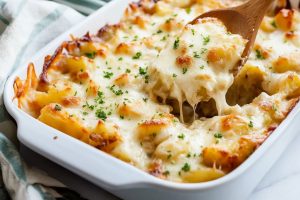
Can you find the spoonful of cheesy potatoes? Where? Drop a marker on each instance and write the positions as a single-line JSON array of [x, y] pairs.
[[197, 65]]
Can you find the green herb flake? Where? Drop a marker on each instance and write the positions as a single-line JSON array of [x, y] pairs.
[[100, 98], [259, 55], [137, 55], [218, 135], [203, 50], [188, 10], [101, 114], [206, 40], [193, 31], [181, 136], [142, 71], [164, 38], [166, 173], [184, 70], [273, 23], [186, 167], [57, 107], [176, 43], [250, 124], [91, 55], [116, 92], [135, 38], [174, 75], [145, 100], [108, 75], [196, 54], [202, 67], [128, 71]]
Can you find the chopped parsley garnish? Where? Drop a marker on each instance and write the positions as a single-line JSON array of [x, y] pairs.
[[128, 71], [196, 55], [159, 31], [193, 31], [57, 107], [218, 135], [135, 38], [174, 75], [142, 71], [176, 43], [108, 75], [202, 67], [122, 117], [91, 55], [188, 155], [164, 38], [116, 92], [181, 136], [184, 70], [100, 98], [145, 100], [250, 124], [188, 10], [85, 113], [206, 40], [203, 50], [169, 20], [137, 55], [120, 59], [259, 55], [166, 173], [91, 107], [75, 93], [101, 114], [273, 23], [191, 45], [186, 167]]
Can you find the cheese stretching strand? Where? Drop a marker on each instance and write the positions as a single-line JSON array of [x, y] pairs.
[[115, 89]]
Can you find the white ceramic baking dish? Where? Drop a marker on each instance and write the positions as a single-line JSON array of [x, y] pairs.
[[120, 178]]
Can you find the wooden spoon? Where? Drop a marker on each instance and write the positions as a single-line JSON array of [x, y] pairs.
[[243, 20]]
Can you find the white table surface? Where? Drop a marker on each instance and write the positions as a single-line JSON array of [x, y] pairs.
[[282, 182]]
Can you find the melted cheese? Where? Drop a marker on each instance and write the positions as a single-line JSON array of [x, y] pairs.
[[103, 89], [197, 65]]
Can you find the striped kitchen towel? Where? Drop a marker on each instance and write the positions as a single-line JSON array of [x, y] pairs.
[[25, 27]]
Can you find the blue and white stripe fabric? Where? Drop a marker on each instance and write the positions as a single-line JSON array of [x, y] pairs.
[[25, 27]]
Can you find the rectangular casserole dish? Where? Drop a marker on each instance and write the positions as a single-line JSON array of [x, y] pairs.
[[122, 179]]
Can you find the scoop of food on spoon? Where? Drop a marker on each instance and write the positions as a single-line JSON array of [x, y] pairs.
[[244, 20]]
